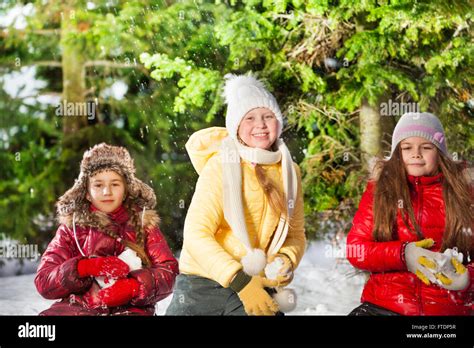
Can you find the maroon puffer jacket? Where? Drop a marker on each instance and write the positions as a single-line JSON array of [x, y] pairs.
[[390, 284], [57, 276]]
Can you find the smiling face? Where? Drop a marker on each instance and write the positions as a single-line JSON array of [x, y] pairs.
[[259, 128], [419, 156], [106, 191]]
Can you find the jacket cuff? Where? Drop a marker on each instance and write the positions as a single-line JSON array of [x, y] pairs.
[[402, 254], [394, 256], [240, 281], [70, 278], [146, 280]]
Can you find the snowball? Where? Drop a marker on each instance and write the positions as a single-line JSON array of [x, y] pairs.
[[271, 271], [105, 282], [454, 253], [444, 262], [131, 259]]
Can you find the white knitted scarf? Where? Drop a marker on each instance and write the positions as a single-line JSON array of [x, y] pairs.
[[231, 153]]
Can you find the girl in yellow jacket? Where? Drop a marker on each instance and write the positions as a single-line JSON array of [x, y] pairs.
[[244, 231]]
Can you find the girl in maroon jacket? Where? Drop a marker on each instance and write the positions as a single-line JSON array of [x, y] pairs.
[[413, 229], [108, 256]]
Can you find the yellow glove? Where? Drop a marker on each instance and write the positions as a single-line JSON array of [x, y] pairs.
[[252, 293], [284, 275]]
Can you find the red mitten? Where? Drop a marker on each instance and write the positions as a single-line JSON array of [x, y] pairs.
[[110, 266], [120, 293]]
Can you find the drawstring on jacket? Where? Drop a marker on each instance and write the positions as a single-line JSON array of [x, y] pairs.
[[143, 215], [75, 234]]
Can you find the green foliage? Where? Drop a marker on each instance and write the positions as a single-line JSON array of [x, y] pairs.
[[195, 82], [322, 60], [408, 52], [40, 162]]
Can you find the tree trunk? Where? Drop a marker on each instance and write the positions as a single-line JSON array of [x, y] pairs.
[[370, 134], [74, 84]]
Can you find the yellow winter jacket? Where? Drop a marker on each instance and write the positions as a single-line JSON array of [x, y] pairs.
[[210, 249]]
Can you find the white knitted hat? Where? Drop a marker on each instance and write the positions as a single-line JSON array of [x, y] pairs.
[[420, 124], [243, 93]]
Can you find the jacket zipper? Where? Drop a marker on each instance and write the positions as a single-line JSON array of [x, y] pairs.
[[419, 217], [420, 198]]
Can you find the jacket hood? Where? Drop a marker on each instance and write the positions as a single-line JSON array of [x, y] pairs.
[[140, 221], [204, 144], [98, 219]]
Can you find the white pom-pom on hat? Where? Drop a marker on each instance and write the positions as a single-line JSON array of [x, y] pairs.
[[235, 82], [243, 93]]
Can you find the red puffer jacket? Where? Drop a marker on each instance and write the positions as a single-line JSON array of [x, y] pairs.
[[390, 284], [58, 278]]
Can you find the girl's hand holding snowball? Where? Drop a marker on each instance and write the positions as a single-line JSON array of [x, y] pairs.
[[443, 269], [420, 261], [109, 266], [116, 290], [280, 268]]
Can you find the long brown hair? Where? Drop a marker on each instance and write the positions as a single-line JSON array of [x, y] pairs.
[[392, 197], [274, 195]]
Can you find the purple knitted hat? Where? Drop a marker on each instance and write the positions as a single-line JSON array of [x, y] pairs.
[[420, 124]]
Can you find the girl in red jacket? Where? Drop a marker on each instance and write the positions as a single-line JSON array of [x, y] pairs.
[[108, 256], [413, 229]]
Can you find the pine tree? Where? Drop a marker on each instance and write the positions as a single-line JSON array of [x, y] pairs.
[[332, 65]]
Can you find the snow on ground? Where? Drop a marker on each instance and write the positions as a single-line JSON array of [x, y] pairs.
[[324, 282], [18, 296]]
